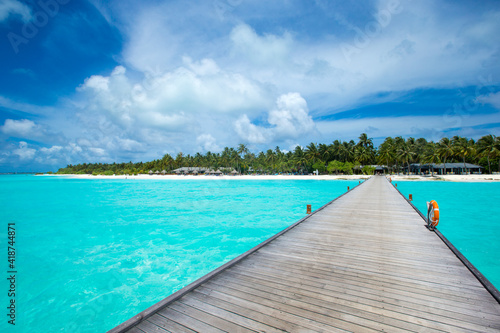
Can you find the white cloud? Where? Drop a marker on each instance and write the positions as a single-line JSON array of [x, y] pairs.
[[250, 132], [291, 117], [208, 143], [52, 150], [492, 99], [190, 80], [203, 67], [25, 107], [14, 7], [430, 127], [24, 152], [171, 98], [267, 50], [289, 120], [98, 151], [19, 128]]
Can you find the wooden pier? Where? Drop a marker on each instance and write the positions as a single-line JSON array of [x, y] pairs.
[[363, 263]]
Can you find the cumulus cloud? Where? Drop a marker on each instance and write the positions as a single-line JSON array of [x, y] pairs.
[[208, 143], [26, 129], [250, 132], [169, 100], [52, 150], [212, 82], [19, 128], [14, 7], [266, 50], [290, 119], [24, 152]]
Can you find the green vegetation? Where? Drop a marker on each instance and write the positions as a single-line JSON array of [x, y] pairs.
[[339, 157]]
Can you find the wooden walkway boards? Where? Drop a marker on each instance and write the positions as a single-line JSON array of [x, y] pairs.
[[364, 263]]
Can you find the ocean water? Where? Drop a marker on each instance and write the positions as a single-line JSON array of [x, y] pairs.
[[90, 254], [469, 217]]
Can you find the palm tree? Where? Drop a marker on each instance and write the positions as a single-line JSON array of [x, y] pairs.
[[271, 160], [445, 150], [312, 152], [242, 150], [365, 141], [406, 153], [363, 155], [346, 151], [299, 158], [386, 152], [463, 147], [431, 155], [496, 150], [486, 147], [324, 152], [334, 150]]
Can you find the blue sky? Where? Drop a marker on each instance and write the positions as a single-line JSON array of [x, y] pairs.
[[105, 81]]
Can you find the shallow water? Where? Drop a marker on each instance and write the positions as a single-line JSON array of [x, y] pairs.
[[92, 253], [469, 218]]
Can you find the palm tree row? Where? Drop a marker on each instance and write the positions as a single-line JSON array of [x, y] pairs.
[[396, 153]]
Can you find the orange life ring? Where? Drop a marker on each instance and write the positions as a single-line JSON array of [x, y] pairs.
[[433, 213]]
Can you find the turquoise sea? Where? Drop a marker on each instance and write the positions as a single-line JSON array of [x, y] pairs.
[[91, 253], [469, 218]]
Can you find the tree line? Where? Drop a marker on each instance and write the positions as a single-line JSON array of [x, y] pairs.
[[339, 157]]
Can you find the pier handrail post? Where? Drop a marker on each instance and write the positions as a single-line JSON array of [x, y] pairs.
[[429, 224]]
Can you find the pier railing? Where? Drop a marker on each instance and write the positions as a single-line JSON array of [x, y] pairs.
[[482, 279]]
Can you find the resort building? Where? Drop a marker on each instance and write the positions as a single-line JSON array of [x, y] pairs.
[[205, 171], [445, 169]]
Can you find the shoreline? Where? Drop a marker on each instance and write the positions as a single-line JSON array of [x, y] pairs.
[[452, 178]]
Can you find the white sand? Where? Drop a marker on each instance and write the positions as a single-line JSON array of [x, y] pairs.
[[454, 178]]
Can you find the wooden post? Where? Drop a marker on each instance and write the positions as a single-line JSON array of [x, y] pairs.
[[308, 209]]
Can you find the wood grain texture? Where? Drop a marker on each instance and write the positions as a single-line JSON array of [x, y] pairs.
[[363, 263]]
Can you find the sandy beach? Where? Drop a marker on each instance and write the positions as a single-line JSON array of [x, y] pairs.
[[453, 178]]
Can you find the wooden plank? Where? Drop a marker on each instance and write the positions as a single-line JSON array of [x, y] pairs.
[[188, 321], [382, 306], [255, 313], [360, 263], [220, 323], [166, 324], [230, 315], [336, 310], [302, 315], [135, 330], [372, 281], [149, 327]]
